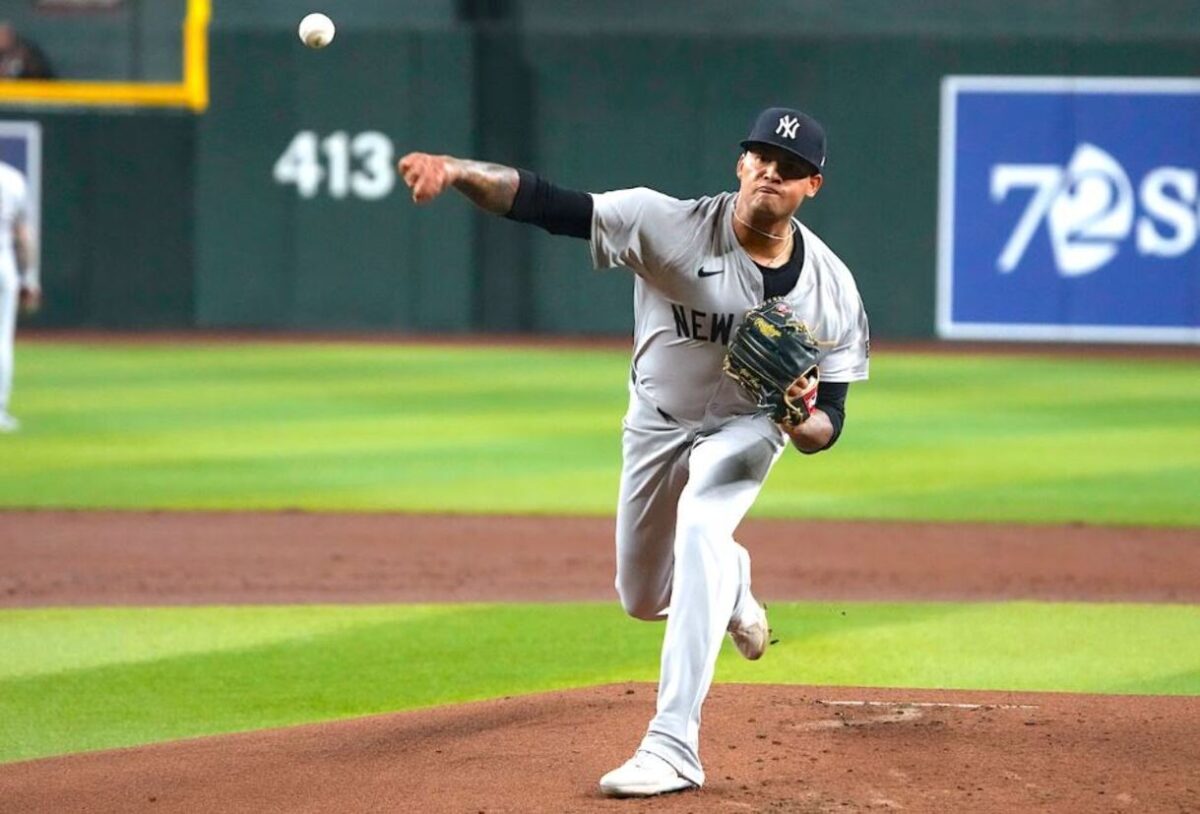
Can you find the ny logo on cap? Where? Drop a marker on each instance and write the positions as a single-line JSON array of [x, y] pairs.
[[788, 125]]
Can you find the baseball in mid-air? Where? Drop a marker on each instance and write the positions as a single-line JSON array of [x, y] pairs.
[[316, 30]]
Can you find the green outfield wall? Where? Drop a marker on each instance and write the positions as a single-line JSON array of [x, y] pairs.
[[301, 221], [118, 202], [277, 208]]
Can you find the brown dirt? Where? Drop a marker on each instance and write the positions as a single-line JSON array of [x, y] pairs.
[[606, 341], [767, 749], [133, 558]]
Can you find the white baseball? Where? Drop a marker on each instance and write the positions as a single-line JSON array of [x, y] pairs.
[[316, 30]]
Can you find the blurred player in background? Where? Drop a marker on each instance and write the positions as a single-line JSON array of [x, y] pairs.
[[19, 284], [20, 58]]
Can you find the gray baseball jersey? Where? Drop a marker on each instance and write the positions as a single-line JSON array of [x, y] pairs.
[[694, 283]]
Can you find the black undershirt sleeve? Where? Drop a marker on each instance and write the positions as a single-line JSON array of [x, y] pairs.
[[831, 399], [559, 211]]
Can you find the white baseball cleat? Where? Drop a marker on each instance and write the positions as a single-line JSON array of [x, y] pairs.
[[8, 423], [749, 630], [643, 775]]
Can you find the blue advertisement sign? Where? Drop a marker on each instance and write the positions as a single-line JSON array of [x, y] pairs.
[[1068, 209]]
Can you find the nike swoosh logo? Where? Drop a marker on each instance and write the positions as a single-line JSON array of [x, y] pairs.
[[704, 273]]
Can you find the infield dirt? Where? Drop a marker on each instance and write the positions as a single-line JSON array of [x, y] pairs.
[[766, 748], [173, 558]]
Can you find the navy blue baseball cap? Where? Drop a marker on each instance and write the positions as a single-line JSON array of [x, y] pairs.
[[790, 130]]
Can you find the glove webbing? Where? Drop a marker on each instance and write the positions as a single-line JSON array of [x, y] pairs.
[[756, 357]]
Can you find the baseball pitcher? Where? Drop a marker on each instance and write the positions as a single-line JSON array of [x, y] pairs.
[[748, 331]]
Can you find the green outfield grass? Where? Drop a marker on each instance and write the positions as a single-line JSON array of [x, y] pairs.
[[81, 679], [413, 428]]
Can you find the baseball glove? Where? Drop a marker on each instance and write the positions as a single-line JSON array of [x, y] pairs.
[[770, 351]]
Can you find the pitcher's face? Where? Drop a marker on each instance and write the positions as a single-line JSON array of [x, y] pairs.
[[775, 182]]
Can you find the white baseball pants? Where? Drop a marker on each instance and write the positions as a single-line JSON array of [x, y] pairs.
[[684, 490]]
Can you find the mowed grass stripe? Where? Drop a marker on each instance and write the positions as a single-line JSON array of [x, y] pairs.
[[376, 427], [78, 679]]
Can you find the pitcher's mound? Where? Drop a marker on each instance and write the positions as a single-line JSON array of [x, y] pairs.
[[765, 748]]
